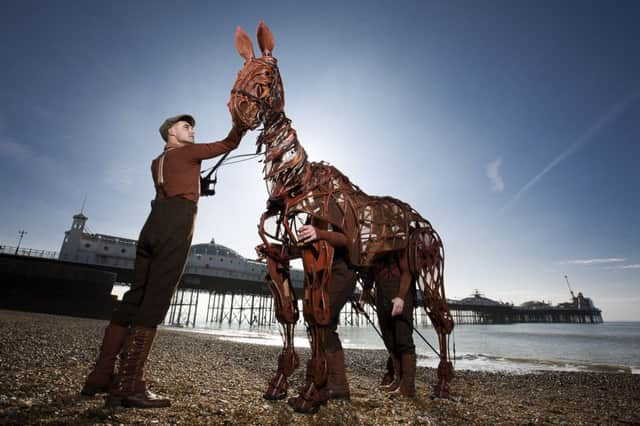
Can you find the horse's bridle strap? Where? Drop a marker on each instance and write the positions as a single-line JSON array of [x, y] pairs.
[[248, 95]]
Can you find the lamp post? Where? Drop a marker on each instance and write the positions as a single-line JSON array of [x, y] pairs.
[[21, 232]]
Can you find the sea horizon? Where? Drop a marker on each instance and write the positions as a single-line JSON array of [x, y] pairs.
[[609, 347]]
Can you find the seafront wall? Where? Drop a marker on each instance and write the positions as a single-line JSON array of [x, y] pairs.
[[55, 287]]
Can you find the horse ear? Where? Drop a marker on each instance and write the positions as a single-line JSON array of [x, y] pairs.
[[243, 44], [265, 39]]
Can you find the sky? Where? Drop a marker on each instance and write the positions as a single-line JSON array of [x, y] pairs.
[[513, 126]]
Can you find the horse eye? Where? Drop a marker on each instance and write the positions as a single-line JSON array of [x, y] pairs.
[[259, 90]]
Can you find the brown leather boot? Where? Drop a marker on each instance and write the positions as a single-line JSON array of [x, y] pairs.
[[397, 374], [100, 378], [408, 380], [337, 386], [388, 374], [128, 389]]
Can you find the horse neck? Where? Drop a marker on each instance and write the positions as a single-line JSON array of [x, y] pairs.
[[279, 134]]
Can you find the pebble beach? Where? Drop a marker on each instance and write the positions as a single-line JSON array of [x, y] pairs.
[[44, 359]]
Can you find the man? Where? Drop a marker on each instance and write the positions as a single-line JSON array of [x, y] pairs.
[[161, 254], [343, 282], [394, 299]]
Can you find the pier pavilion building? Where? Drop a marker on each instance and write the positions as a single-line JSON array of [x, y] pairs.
[[205, 260]]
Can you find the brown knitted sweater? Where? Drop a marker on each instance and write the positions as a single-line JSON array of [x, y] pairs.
[[181, 168]]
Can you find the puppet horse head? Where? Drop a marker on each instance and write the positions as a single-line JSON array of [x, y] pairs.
[[257, 94], [257, 98]]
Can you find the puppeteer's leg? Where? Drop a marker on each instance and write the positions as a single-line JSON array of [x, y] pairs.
[[384, 294], [326, 374], [173, 235], [287, 315], [404, 347], [396, 330], [343, 282], [101, 377]]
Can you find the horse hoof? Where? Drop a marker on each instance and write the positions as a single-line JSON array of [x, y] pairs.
[[274, 396], [306, 407], [303, 406]]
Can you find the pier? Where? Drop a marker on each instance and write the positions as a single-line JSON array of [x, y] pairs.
[[232, 297], [478, 309]]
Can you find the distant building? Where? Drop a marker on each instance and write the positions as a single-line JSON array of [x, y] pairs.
[[579, 302], [478, 309], [478, 299], [116, 252], [96, 249], [535, 304]]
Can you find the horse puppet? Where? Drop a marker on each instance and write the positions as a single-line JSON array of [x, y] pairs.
[[302, 192]]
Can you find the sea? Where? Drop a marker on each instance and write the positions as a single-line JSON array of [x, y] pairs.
[[608, 347]]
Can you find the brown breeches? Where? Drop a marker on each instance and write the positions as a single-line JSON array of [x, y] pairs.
[[161, 255], [397, 332], [343, 284]]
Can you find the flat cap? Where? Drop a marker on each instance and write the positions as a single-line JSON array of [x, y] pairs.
[[164, 128]]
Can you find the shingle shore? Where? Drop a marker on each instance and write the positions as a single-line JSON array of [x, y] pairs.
[[44, 359]]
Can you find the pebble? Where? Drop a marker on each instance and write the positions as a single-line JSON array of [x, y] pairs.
[[25, 403]]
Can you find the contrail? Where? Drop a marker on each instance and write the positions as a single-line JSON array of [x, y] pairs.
[[604, 121]]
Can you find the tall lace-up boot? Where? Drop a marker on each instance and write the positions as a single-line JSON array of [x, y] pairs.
[[129, 388], [100, 378]]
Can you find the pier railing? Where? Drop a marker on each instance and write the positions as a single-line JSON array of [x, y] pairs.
[[24, 251], [199, 307]]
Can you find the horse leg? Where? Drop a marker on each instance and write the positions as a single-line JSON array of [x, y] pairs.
[[311, 397], [442, 322], [427, 260], [445, 369], [287, 314], [317, 266]]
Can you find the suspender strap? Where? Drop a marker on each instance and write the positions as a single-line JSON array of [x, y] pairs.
[[160, 175]]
